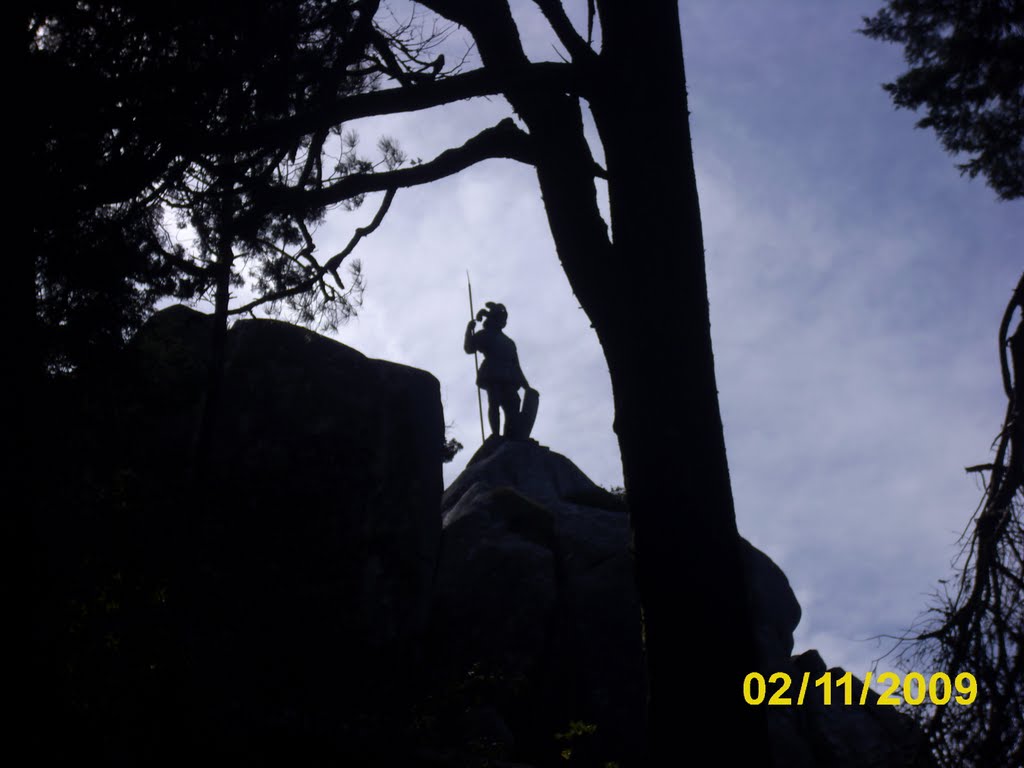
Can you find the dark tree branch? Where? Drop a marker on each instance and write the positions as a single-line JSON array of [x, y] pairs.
[[979, 468], [577, 47], [335, 261], [331, 265], [389, 61], [555, 77], [359, 36], [565, 164], [1004, 329], [503, 140]]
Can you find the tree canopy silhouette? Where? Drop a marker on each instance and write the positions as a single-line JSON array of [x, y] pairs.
[[966, 69], [133, 102], [130, 103]]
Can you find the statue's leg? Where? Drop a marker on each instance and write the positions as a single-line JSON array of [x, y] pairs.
[[510, 403], [493, 412]]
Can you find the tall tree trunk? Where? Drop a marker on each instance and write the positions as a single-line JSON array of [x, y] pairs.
[[688, 563], [646, 295]]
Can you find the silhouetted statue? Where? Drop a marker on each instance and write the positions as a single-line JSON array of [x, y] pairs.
[[500, 375]]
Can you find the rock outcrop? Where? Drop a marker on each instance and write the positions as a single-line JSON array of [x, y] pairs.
[[535, 593], [312, 552]]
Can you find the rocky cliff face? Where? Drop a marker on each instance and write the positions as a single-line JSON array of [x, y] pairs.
[[294, 581], [319, 539]]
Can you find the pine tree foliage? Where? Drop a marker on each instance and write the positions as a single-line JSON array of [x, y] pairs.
[[142, 186], [966, 70]]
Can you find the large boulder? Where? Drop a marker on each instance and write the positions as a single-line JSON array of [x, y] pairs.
[[536, 613], [305, 567], [535, 619]]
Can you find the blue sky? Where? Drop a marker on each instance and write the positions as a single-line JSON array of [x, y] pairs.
[[856, 286]]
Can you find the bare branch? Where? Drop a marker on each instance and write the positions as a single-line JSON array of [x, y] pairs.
[[543, 76], [577, 47], [979, 468], [335, 261], [503, 140], [1004, 328], [330, 266], [978, 627]]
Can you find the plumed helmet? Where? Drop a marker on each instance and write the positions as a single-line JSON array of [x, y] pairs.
[[494, 314]]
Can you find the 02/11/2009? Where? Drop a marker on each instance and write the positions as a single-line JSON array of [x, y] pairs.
[[915, 689]]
